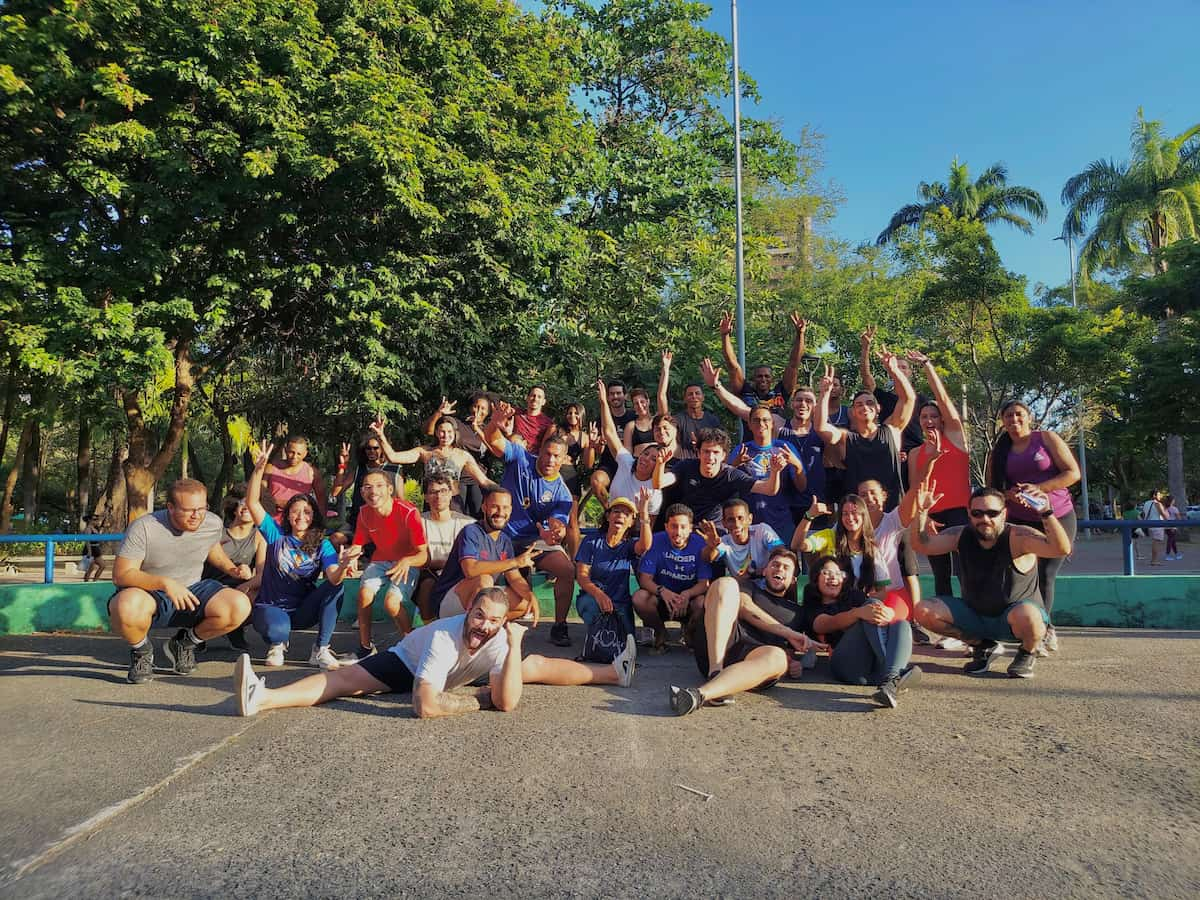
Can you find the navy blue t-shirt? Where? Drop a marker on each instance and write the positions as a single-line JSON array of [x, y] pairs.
[[610, 566], [810, 448], [473, 542], [675, 568], [290, 572]]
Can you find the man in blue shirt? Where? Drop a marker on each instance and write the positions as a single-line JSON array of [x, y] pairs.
[[542, 509], [673, 574]]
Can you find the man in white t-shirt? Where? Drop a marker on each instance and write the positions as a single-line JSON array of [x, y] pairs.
[[442, 525], [746, 545]]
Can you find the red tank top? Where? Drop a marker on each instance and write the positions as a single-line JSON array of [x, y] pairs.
[[952, 473]]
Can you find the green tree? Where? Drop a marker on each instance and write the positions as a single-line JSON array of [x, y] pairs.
[[987, 199]]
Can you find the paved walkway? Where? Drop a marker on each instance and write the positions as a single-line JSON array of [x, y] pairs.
[[1082, 782]]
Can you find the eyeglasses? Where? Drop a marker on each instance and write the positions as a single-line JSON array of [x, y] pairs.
[[990, 513], [190, 510]]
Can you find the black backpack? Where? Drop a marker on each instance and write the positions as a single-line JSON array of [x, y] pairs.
[[606, 638]]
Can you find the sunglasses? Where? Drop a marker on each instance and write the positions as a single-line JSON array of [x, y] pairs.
[[990, 513]]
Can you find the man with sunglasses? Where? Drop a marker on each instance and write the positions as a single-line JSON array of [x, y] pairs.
[[158, 576], [999, 575]]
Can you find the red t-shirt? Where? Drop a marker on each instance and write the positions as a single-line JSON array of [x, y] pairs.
[[532, 429], [395, 535], [952, 473]]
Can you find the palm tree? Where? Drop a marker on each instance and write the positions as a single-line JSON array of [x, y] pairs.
[[1139, 206], [989, 198]]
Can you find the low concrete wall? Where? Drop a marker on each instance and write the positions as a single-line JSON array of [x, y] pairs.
[[1097, 601]]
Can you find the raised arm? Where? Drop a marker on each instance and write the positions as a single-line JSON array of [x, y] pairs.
[[864, 358], [400, 457], [608, 428], [445, 408], [920, 477], [830, 434], [645, 535], [254, 483], [952, 422], [731, 401], [737, 377], [664, 383], [906, 397], [500, 425], [1054, 543], [945, 541], [792, 372], [770, 484]]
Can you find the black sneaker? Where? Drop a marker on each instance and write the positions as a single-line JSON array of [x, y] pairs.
[[237, 639], [920, 637], [888, 693], [1022, 664], [684, 700], [141, 665], [182, 653], [361, 652], [982, 657], [559, 636]]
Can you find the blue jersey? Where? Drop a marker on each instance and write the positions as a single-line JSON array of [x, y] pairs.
[[473, 542], [535, 499], [610, 566], [810, 448], [776, 510], [676, 568], [290, 572]]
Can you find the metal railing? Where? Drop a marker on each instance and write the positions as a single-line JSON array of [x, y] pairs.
[[49, 540], [1126, 526]]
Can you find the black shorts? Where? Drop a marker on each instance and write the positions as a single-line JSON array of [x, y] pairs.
[[389, 668], [741, 644], [667, 616]]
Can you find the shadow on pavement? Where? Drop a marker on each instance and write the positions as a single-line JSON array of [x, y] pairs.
[[223, 709]]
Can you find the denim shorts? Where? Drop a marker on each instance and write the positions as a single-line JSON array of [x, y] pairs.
[[991, 628], [376, 577], [167, 616]]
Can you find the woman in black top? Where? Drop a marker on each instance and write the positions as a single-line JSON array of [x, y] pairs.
[[871, 646], [640, 431]]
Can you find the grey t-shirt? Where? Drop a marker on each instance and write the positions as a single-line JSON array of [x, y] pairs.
[[167, 552]]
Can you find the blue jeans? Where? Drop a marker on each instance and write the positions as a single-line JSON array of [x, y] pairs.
[[589, 609], [871, 654], [318, 607]]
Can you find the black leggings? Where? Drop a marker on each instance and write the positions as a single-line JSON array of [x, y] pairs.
[[944, 564], [1048, 568]]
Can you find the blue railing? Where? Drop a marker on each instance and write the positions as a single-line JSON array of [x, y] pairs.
[[1126, 526], [50, 540]]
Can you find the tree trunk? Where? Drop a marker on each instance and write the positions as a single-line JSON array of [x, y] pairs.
[[10, 483], [142, 469], [111, 502], [1176, 483], [31, 475], [221, 414], [83, 469], [10, 396]]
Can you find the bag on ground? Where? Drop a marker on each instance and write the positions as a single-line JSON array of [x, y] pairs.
[[605, 639]]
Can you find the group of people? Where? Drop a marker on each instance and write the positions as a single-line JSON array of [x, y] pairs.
[[696, 530]]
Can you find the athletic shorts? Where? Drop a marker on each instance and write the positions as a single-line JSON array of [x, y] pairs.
[[741, 643], [990, 628], [389, 668], [376, 577], [667, 616], [167, 616]]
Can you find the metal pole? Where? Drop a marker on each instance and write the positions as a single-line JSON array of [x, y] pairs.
[[737, 192], [1083, 478]]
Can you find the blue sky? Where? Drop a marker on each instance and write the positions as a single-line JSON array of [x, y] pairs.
[[900, 89]]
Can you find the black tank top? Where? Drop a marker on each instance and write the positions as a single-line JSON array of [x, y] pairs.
[[875, 458], [990, 581], [642, 437]]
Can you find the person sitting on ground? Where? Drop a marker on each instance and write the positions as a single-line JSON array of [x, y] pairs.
[[870, 449], [673, 575], [745, 547], [638, 432], [244, 545], [293, 474], [394, 526], [470, 439], [911, 432], [368, 456], [704, 484], [621, 415], [444, 458], [442, 527], [693, 417], [483, 556], [633, 473], [157, 574], [758, 391], [870, 644], [435, 659], [298, 556], [751, 631], [542, 510], [606, 560], [999, 575]]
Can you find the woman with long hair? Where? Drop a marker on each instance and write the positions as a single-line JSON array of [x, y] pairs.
[[445, 457], [871, 645], [639, 432], [1023, 456], [292, 594], [572, 428]]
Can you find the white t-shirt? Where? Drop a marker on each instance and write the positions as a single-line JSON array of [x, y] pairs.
[[436, 654], [749, 559], [887, 543], [440, 535], [626, 484]]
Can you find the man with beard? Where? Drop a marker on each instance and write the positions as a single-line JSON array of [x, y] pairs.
[[673, 574], [758, 390], [746, 546], [542, 509], [532, 424], [435, 659], [483, 556], [747, 635], [999, 575]]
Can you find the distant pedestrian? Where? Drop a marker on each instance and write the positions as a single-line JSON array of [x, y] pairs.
[[1153, 510], [1173, 513]]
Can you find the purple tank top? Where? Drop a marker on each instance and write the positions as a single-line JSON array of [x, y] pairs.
[[1034, 465]]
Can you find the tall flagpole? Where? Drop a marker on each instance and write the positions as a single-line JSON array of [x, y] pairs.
[[737, 192]]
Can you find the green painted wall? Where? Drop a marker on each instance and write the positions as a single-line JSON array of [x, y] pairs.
[[1098, 601]]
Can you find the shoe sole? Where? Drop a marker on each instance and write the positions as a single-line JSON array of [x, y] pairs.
[[674, 692], [148, 677], [884, 699], [1012, 674], [242, 673], [631, 653]]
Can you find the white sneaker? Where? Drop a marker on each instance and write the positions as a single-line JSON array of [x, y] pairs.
[[249, 687], [324, 657], [626, 663], [275, 655], [949, 643]]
